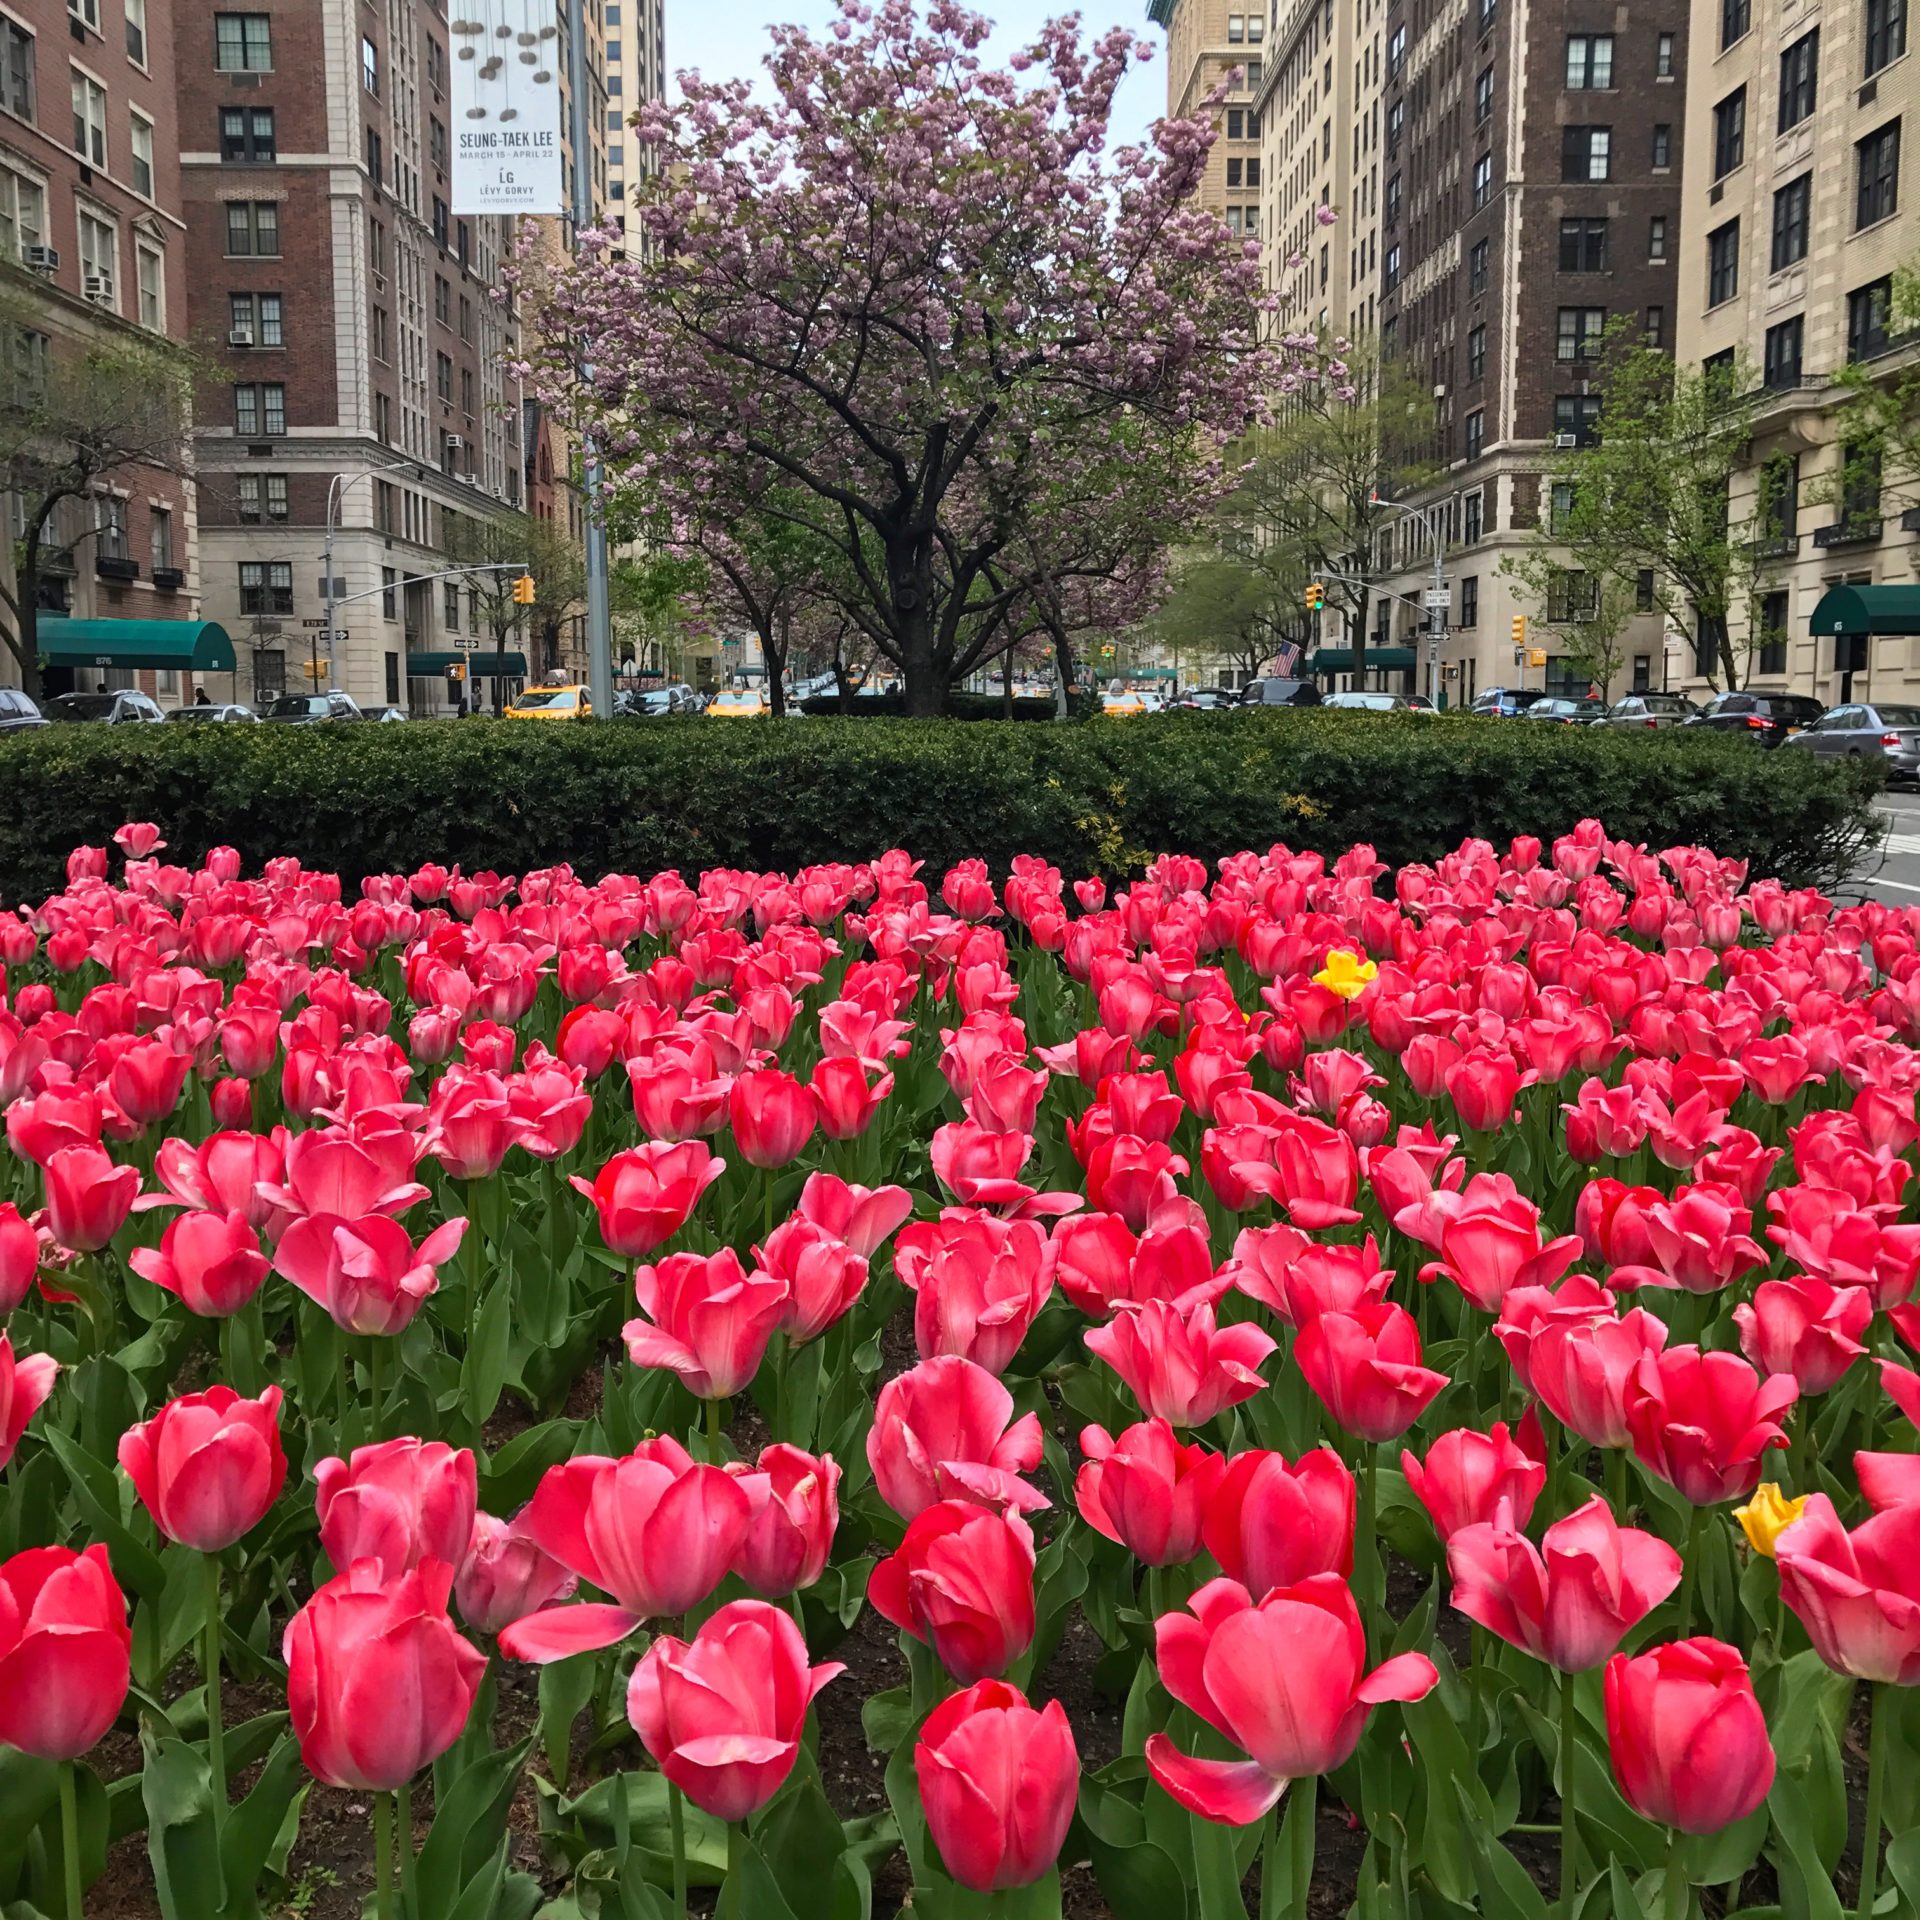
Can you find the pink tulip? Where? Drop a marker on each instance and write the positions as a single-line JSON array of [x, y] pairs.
[[397, 1503], [822, 1276], [945, 1430], [979, 1281], [1181, 1366], [1468, 1475], [208, 1466], [1284, 1680], [1274, 1524], [862, 1217], [1489, 1243], [998, 1783], [795, 1510], [1699, 1241], [25, 1383], [88, 1198], [962, 1582], [1569, 1601], [772, 1115], [505, 1575], [347, 1175], [1300, 1279], [469, 1123], [1689, 1743], [654, 1531], [379, 1682], [647, 1194], [1581, 1369], [211, 1262], [1364, 1367], [706, 1319], [723, 1716], [1857, 1594], [1147, 1490], [1804, 1327], [1703, 1421], [224, 1174], [19, 1257], [65, 1651], [366, 1273]]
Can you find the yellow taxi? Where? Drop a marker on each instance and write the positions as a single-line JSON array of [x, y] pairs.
[[738, 703], [551, 703], [1123, 705]]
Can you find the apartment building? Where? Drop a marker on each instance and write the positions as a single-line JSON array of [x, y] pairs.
[[92, 241], [1801, 192], [1531, 152], [1207, 39], [636, 72]]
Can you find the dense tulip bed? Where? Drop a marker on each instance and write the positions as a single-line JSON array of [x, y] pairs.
[[1437, 1335]]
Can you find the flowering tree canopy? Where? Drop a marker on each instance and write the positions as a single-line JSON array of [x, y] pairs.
[[921, 296]]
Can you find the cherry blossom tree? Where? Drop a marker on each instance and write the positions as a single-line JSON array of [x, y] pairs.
[[916, 298]]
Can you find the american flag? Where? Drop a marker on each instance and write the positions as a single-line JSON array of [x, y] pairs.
[[1287, 661]]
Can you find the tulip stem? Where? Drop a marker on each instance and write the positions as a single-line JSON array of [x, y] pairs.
[[70, 1837], [1569, 1763], [210, 1664], [1876, 1785], [383, 1856], [1677, 1899], [677, 1828], [377, 1372], [713, 1432], [403, 1845], [1617, 1482], [1368, 1545], [1690, 1577], [1292, 1833]]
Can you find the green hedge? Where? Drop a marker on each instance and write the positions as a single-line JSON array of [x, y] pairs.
[[960, 706], [1103, 796]]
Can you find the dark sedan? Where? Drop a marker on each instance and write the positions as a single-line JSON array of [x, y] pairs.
[[1767, 719], [1566, 713]]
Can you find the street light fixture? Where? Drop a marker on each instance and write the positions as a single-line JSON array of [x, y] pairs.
[[1439, 595], [335, 488]]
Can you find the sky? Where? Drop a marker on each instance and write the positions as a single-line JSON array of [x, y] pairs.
[[724, 38]]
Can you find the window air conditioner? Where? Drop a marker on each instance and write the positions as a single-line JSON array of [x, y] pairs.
[[1565, 439], [240, 337], [98, 287], [40, 259]]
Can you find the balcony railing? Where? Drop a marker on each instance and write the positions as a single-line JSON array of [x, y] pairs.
[[1847, 533]]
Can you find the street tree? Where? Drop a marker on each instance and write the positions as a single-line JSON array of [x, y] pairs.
[[1877, 424], [1585, 614], [494, 543], [915, 292], [76, 411]]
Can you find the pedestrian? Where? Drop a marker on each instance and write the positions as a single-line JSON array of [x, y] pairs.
[[200, 697]]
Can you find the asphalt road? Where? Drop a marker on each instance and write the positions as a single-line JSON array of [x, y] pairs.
[[1894, 874]]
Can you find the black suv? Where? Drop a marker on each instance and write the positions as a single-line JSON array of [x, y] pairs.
[[1767, 719]]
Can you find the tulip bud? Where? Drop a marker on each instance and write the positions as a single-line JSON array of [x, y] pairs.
[[1688, 1740], [65, 1651], [208, 1466], [1767, 1515]]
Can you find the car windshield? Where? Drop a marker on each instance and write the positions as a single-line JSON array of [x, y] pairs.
[[656, 702], [198, 713], [1665, 703], [81, 706], [1794, 707], [1899, 716], [548, 697], [295, 706]]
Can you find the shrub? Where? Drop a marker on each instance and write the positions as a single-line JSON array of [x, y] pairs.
[[960, 706], [1100, 797]]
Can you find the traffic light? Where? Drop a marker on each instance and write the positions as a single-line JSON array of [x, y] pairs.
[[1316, 596], [1519, 631], [523, 590], [456, 673]]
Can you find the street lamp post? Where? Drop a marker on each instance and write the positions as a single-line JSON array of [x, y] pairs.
[[335, 488], [1439, 596]]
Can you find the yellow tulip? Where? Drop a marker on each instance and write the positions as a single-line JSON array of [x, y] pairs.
[[1767, 1515], [1346, 974]]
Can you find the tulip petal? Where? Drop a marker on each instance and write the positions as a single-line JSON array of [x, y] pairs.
[[1407, 1676], [558, 1632], [1235, 1793]]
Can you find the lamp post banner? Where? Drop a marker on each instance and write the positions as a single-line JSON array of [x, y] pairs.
[[506, 107]]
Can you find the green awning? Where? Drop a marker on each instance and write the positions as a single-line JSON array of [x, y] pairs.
[[1867, 610], [1340, 659], [188, 646], [485, 663]]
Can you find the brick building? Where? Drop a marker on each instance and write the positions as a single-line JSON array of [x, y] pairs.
[[92, 240]]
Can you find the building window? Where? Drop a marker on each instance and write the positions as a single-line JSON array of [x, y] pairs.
[[376, 247], [1396, 125], [1657, 237], [89, 119], [389, 599], [376, 158], [1476, 433], [1476, 352], [256, 319], [99, 260], [1586, 153], [1470, 599], [1578, 333], [466, 391], [1572, 596], [259, 409], [1730, 133], [440, 218], [1716, 373], [1662, 147], [466, 318], [1792, 206], [1576, 418], [246, 135], [1253, 170], [110, 526], [23, 214], [16, 69], [1234, 170], [160, 538], [442, 299], [137, 31], [1663, 57], [450, 604], [1236, 29], [1799, 79], [1780, 498], [383, 419], [1236, 123], [1252, 82], [1471, 511], [266, 586], [1560, 507], [1655, 327], [1393, 199], [253, 228], [369, 66], [1589, 61], [1869, 314], [1643, 590], [1886, 32], [1396, 52], [1772, 656], [142, 134], [1723, 263], [1483, 98], [1583, 246], [263, 496], [443, 376], [1477, 267], [1489, 12], [1483, 180], [1390, 272], [1879, 165], [1860, 473], [1736, 16], [150, 286], [242, 43]]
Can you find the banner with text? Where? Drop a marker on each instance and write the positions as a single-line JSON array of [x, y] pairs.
[[507, 56]]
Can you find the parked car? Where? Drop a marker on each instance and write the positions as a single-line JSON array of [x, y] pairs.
[[1648, 710], [1868, 732], [17, 711], [387, 715], [738, 703], [1367, 702], [1421, 704], [1565, 713], [1767, 719], [312, 709], [125, 708], [1505, 703], [1206, 699], [1123, 705], [1277, 692], [217, 710], [551, 703]]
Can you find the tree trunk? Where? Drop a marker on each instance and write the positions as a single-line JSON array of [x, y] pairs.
[[923, 681], [1006, 683], [26, 603], [774, 653]]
